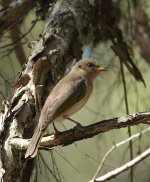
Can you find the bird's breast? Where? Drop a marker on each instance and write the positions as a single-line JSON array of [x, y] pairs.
[[79, 104]]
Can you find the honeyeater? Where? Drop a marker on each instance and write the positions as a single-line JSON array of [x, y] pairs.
[[68, 96]]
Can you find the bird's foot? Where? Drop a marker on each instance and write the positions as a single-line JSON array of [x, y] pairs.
[[76, 122], [56, 130]]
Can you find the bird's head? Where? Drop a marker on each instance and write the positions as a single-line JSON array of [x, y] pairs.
[[88, 67]]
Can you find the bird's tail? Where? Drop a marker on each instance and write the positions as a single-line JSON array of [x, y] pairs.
[[33, 145]]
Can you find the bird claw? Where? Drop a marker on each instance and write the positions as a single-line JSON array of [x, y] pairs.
[[78, 126], [76, 122], [56, 130]]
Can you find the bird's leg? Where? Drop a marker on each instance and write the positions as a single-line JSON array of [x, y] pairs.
[[56, 130], [76, 122]]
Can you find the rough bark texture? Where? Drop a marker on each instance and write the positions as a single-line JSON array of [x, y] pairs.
[[46, 65], [70, 25]]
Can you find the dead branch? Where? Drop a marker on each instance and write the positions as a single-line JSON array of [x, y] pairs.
[[125, 167], [137, 135], [82, 132]]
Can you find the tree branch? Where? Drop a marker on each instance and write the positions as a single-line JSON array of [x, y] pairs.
[[137, 135], [123, 168], [82, 132], [12, 14]]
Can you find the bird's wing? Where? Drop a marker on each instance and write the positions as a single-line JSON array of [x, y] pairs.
[[65, 94]]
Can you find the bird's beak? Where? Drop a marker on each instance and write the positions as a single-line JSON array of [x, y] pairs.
[[100, 68]]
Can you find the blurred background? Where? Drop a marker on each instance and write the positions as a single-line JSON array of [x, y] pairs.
[[79, 161]]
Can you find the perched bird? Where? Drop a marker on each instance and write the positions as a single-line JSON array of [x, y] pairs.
[[68, 96]]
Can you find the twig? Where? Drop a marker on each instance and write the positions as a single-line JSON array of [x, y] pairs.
[[127, 112], [22, 36], [14, 13], [53, 173], [116, 146], [123, 168]]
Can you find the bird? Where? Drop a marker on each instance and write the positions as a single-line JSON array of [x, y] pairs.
[[68, 96]]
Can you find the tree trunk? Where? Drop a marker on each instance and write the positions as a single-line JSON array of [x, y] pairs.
[[68, 27]]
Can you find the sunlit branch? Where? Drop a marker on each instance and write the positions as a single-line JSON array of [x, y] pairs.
[[82, 132]]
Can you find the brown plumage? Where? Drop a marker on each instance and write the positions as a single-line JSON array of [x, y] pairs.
[[67, 97]]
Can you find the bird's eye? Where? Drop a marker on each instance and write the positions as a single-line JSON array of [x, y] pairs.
[[90, 65]]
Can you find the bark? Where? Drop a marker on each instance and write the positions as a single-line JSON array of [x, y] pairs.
[[46, 65]]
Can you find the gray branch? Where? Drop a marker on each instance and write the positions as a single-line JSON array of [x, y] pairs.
[[125, 167]]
